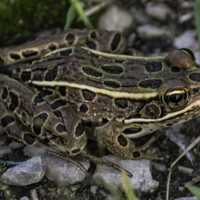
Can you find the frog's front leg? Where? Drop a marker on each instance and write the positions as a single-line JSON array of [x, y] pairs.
[[113, 138]]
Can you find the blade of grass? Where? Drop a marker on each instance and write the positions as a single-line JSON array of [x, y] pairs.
[[127, 188], [70, 17], [194, 190], [197, 18], [79, 9]]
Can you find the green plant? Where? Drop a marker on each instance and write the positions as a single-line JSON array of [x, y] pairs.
[[130, 195], [76, 11], [194, 190]]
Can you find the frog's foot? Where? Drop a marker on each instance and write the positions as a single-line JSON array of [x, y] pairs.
[[118, 144]]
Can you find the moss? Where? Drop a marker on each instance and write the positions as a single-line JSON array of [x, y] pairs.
[[21, 17]]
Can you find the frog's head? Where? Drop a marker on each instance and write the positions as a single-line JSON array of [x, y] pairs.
[[177, 100]]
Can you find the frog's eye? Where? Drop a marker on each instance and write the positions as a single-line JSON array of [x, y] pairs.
[[176, 99]]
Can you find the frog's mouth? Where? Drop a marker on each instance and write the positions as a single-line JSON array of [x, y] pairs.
[[146, 126], [188, 112]]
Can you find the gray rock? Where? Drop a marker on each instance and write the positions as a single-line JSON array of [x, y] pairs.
[[24, 198], [115, 19], [140, 169], [140, 17], [186, 17], [150, 31], [187, 198], [197, 56], [35, 150], [65, 172], [174, 134], [4, 150], [186, 40], [158, 10], [26, 173]]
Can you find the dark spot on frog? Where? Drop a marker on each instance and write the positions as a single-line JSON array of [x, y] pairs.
[[132, 130], [153, 66], [27, 53], [115, 41], [112, 84], [51, 74], [91, 44], [80, 129], [91, 72], [58, 103], [136, 154], [14, 101], [112, 69], [83, 108], [88, 95], [122, 140], [4, 93], [195, 77], [6, 120], [29, 139], [25, 76], [38, 122], [121, 103], [70, 38], [60, 128], [14, 56], [151, 83]]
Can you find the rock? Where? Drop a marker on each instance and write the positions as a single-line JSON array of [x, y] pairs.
[[151, 31], [174, 135], [35, 150], [65, 172], [25, 173], [158, 10], [187, 198], [186, 17], [4, 150], [24, 198], [186, 40], [140, 169], [140, 17], [115, 19], [197, 56]]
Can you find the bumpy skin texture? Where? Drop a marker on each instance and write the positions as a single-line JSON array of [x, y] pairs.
[[119, 99]]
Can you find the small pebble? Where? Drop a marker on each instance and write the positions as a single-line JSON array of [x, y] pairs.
[[150, 31], [186, 40], [187, 198], [158, 10], [4, 150], [24, 198], [115, 19]]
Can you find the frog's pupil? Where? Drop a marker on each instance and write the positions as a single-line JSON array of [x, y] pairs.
[[176, 98]]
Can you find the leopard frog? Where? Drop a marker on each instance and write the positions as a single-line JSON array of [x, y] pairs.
[[121, 100]]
